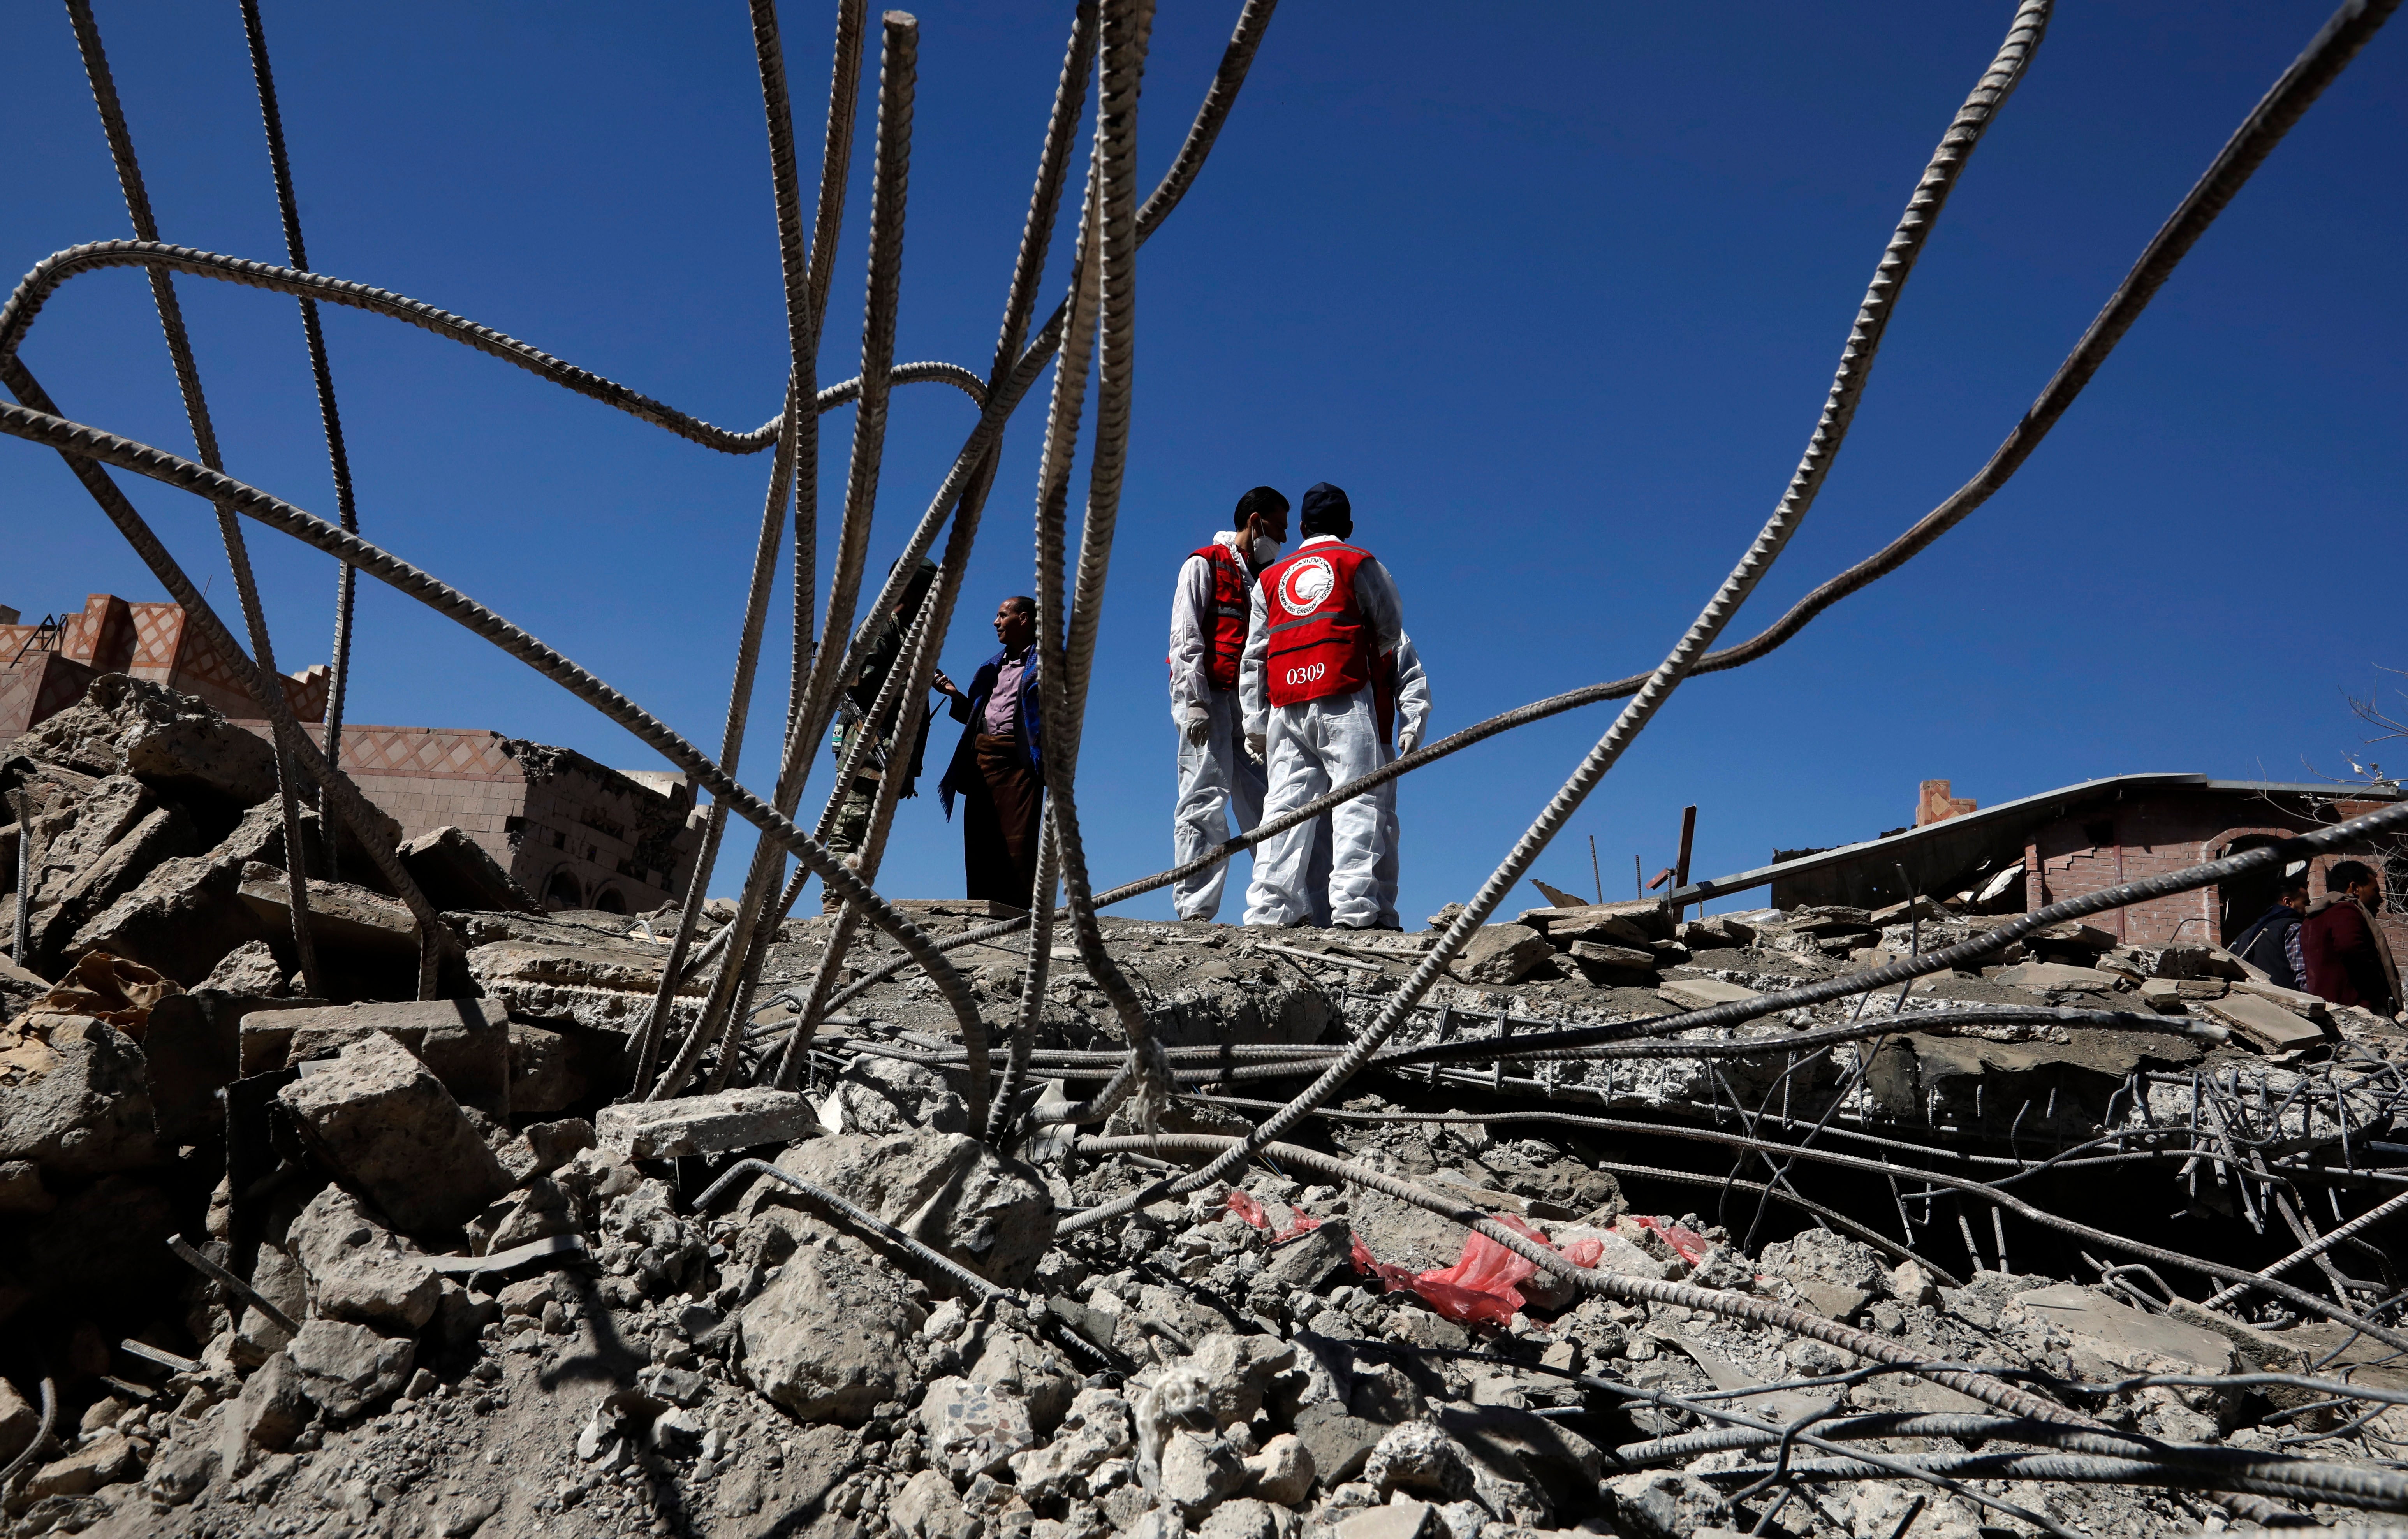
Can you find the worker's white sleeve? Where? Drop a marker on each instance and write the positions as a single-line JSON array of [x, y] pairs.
[[1413, 695], [1191, 637], [1375, 595], [1251, 667]]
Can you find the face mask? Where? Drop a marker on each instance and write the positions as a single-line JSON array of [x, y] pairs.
[[1267, 551]]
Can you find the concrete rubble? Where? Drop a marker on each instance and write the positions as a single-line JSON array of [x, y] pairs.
[[477, 1290]]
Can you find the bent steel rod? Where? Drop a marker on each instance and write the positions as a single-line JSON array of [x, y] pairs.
[[278, 710], [898, 74], [18, 313], [798, 440], [1897, 263], [1107, 301], [967, 484], [288, 209], [2325, 56]]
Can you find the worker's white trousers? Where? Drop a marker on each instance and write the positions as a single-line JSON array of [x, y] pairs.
[[1384, 871], [1310, 748], [1217, 782]]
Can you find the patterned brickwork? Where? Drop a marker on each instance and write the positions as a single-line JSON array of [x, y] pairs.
[[560, 824], [35, 687]]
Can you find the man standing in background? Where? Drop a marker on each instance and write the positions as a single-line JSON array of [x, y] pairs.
[[998, 767], [1208, 612], [2348, 958]]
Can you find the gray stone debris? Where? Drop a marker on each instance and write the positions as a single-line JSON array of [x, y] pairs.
[[347, 1369], [76, 1099], [385, 1124], [948, 1190], [703, 1124], [825, 1339]]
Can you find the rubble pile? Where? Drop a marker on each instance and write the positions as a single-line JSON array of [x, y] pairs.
[[369, 1265]]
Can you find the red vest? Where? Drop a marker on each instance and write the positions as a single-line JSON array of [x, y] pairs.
[[1319, 645], [1228, 636]]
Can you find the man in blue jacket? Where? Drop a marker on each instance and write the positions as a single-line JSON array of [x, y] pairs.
[[998, 767]]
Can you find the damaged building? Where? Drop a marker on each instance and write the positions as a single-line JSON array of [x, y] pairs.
[[2027, 853], [573, 832]]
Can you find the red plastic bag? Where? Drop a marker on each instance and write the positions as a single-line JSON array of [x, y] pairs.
[[1483, 1283], [1691, 1245], [1583, 1252], [1243, 1204]]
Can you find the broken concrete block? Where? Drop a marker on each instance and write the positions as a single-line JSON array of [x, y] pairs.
[[1420, 1456], [1096, 1428], [1338, 1442], [1239, 1371], [356, 1270], [2043, 978], [268, 1415], [75, 1096], [1503, 953], [1701, 993], [181, 919], [384, 1124], [102, 1460], [1719, 932], [250, 969], [1611, 965], [1281, 1472], [342, 917], [1908, 912], [703, 1124], [1651, 917], [1310, 1257], [87, 887], [2124, 1336], [167, 740], [596, 981], [18, 1421], [1194, 1473], [348, 1368], [825, 1339], [545, 1078], [973, 1429], [455, 871], [1405, 1519], [946, 1191], [2305, 1006], [2266, 1025], [463, 1042]]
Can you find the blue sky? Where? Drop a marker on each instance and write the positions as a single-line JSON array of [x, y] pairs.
[[1555, 299]]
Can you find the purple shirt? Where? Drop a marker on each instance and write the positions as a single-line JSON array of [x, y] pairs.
[[1002, 718]]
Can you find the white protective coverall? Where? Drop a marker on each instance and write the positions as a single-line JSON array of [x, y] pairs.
[[1413, 725], [1217, 782], [1308, 749]]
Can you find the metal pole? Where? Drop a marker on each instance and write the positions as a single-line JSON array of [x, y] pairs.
[[1681, 866], [24, 880], [1593, 874]]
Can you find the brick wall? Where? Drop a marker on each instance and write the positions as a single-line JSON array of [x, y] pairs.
[[571, 832], [2148, 835]]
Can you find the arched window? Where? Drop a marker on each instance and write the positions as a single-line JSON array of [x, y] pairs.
[[563, 891], [610, 901], [2244, 898]]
